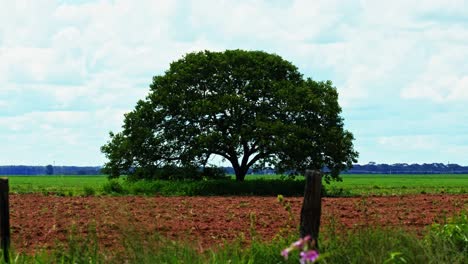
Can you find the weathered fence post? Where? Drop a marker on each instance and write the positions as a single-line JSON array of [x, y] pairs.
[[311, 206], [4, 219]]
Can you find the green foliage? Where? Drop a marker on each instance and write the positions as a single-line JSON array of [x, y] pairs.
[[455, 231], [213, 173], [89, 191], [171, 172], [333, 191], [387, 245], [261, 187], [113, 187], [162, 250], [78, 250], [396, 258], [249, 107]]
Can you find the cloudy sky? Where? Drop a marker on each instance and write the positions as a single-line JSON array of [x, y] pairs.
[[69, 70]]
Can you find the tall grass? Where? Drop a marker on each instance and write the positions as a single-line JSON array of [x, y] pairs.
[[378, 245]]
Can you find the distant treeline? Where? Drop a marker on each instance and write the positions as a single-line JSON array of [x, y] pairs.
[[404, 168], [370, 168], [398, 168], [49, 170]]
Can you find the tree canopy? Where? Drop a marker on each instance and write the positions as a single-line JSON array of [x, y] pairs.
[[250, 108]]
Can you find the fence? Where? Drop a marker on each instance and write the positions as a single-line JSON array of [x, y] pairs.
[[4, 219], [311, 206]]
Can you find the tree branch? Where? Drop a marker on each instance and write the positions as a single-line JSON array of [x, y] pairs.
[[224, 155], [257, 158], [245, 157]]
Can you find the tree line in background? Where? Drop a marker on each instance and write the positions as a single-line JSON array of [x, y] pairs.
[[371, 168], [397, 168], [405, 168], [49, 170]]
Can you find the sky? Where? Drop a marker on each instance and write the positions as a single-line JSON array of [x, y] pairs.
[[69, 70]]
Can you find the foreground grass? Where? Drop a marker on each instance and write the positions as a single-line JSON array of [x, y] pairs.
[[443, 243], [352, 185]]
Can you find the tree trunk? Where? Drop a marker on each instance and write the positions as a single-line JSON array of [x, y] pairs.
[[240, 174], [311, 206]]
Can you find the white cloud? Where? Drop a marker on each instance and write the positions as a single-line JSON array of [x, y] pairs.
[[33, 120], [457, 151], [26, 23], [445, 77], [76, 68], [78, 46], [260, 20], [421, 148], [136, 38], [68, 137], [410, 142]]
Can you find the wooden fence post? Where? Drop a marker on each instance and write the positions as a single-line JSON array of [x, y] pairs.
[[311, 206], [4, 219]]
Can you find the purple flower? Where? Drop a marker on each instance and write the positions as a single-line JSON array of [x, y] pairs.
[[300, 243], [308, 256], [285, 253]]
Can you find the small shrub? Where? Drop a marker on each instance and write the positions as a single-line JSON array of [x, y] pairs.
[[113, 186], [213, 173], [171, 172], [260, 187], [334, 191], [89, 191]]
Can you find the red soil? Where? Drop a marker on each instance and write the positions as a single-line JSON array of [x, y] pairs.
[[39, 221]]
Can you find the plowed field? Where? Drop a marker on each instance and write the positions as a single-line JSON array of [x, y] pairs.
[[39, 221]]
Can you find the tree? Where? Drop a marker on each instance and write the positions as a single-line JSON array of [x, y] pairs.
[[249, 107], [49, 169]]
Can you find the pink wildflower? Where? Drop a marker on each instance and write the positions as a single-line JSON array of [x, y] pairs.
[[308, 256], [301, 242], [285, 253]]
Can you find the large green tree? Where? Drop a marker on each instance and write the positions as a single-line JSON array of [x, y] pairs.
[[249, 107]]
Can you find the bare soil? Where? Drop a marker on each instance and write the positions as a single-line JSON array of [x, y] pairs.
[[40, 222]]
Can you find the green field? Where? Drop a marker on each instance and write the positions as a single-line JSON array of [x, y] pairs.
[[352, 185], [73, 185], [393, 184]]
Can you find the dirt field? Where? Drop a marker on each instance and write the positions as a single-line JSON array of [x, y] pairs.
[[39, 221]]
